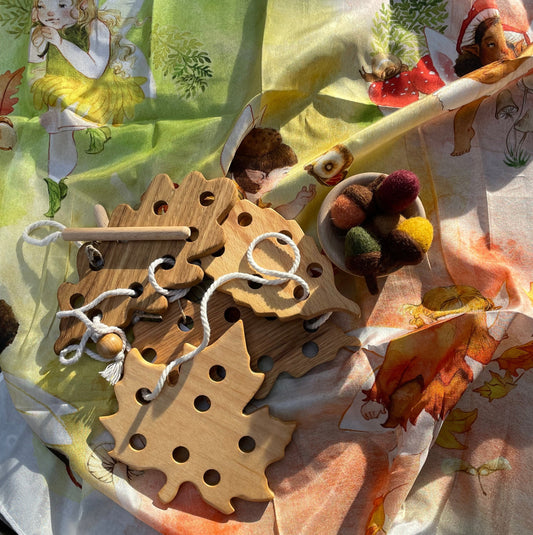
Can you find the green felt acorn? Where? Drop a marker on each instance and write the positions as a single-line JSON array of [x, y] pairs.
[[351, 207], [362, 254]]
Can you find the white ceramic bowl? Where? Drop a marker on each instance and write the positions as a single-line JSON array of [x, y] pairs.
[[331, 240]]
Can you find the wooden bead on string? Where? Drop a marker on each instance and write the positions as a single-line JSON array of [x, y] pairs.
[[109, 346]]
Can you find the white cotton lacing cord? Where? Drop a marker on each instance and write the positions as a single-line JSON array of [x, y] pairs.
[[95, 330], [52, 237], [281, 277], [171, 295]]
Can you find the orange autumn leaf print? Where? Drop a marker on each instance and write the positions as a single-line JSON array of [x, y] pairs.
[[426, 369], [498, 387], [376, 520], [457, 422], [517, 358]]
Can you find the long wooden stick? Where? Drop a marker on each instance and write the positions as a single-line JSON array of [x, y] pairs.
[[126, 233]]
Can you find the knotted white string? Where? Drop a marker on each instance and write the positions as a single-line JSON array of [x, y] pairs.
[[171, 295], [95, 329], [52, 237], [281, 277]]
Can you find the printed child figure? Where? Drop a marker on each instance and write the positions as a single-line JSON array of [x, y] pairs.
[[85, 85], [261, 161], [484, 38]]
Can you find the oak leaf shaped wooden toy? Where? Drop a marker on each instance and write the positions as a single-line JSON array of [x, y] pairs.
[[197, 203], [245, 222], [274, 346], [195, 430]]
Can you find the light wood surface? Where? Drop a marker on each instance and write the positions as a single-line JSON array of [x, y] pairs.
[[197, 203], [274, 346], [245, 222], [196, 430], [126, 233]]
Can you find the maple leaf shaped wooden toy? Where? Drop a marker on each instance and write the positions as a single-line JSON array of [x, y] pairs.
[[245, 222], [274, 346], [195, 430], [197, 203]]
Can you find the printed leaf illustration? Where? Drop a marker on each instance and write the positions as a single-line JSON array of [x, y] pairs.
[[197, 203], [376, 520], [530, 293], [399, 27], [180, 56], [426, 369], [195, 430], [15, 17], [457, 421], [245, 222], [498, 387], [43, 411], [275, 346], [9, 83], [98, 137], [517, 358], [449, 466]]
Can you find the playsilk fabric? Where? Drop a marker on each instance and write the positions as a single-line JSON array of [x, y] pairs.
[[425, 429]]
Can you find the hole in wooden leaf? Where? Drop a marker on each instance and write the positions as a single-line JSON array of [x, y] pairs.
[[244, 219], [137, 287], [95, 312], [232, 314], [286, 233], [138, 442], [139, 396], [247, 444], [149, 354], [310, 349], [217, 373], [180, 454], [207, 198], [314, 270], [169, 262], [211, 478], [255, 285], [185, 324], [299, 292], [271, 318], [173, 377], [308, 326], [202, 403], [194, 234], [160, 207], [220, 252], [265, 363], [77, 300]]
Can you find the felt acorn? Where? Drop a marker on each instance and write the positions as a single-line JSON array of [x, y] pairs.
[[383, 224], [407, 244], [397, 191], [350, 208], [362, 255]]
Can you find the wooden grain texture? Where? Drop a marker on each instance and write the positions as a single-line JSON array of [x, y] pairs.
[[245, 222], [274, 346], [195, 430], [197, 203]]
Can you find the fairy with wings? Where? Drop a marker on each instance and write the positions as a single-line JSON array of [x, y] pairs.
[[94, 76]]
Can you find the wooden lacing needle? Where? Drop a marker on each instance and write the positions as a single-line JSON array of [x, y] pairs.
[[126, 233]]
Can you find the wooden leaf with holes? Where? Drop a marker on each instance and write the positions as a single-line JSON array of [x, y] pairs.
[[274, 346], [195, 430], [245, 222], [197, 203]]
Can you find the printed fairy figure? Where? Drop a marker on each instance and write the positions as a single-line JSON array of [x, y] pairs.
[[88, 82], [261, 161]]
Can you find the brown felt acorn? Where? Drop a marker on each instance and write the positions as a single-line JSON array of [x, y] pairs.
[[351, 207]]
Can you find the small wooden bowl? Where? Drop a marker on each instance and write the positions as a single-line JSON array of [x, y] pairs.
[[331, 240]]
